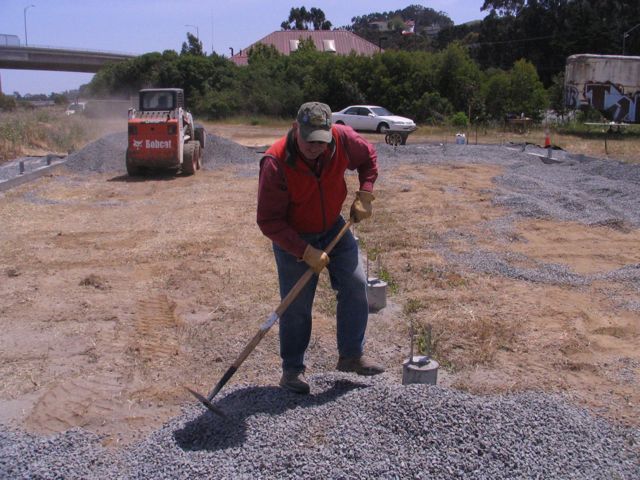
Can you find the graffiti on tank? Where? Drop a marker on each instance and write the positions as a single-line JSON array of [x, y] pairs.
[[611, 100], [571, 98]]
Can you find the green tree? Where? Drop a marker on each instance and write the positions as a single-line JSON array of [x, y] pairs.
[[262, 53], [393, 39], [432, 108], [504, 7], [525, 93], [459, 78], [423, 85], [192, 46], [59, 99], [546, 32], [319, 20], [7, 103], [298, 18], [459, 119], [494, 92], [302, 19], [266, 86], [555, 94], [333, 80]]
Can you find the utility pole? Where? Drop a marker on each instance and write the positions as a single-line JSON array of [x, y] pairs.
[[26, 39]]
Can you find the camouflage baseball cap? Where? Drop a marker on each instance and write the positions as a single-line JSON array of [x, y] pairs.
[[314, 122]]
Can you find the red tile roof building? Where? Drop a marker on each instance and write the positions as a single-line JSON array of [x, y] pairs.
[[339, 42]]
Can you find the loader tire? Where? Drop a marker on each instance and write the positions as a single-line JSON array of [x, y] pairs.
[[191, 157], [132, 169], [200, 135]]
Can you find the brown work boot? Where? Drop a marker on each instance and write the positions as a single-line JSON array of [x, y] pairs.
[[294, 382], [360, 365]]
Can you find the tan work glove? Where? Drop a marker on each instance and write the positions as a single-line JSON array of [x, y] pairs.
[[316, 259], [361, 206]]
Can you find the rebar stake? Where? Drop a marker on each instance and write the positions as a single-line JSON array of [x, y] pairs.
[[367, 255], [411, 337]]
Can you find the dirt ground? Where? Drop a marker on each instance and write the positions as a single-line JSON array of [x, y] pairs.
[[114, 294]]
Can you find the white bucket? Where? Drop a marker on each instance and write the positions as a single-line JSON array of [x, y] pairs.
[[420, 369], [376, 294], [461, 138]]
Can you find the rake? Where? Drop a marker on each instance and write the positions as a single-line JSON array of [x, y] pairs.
[[264, 328]]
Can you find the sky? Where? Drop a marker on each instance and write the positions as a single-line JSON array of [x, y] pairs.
[[141, 26]]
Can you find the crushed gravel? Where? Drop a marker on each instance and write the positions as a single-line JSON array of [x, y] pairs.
[[348, 428], [568, 187], [376, 428], [107, 155], [573, 187]]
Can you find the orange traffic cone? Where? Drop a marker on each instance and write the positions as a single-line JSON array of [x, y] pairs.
[[547, 139]]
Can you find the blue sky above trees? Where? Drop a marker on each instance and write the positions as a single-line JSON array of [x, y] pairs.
[[145, 26]]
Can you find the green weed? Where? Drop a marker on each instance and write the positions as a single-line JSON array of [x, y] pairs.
[[384, 275], [425, 342], [412, 306]]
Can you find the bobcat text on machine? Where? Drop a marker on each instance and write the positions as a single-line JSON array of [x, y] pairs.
[[162, 134]]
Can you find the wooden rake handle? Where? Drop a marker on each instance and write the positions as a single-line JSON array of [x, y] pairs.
[[273, 318]]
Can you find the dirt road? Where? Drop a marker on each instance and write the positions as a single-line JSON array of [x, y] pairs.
[[115, 293]]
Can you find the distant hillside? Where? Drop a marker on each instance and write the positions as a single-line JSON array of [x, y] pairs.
[[411, 28]]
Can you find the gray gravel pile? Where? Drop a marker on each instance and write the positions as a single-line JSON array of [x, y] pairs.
[[520, 267], [574, 190], [507, 264], [221, 151], [567, 187], [72, 454], [444, 154], [349, 430], [107, 154]]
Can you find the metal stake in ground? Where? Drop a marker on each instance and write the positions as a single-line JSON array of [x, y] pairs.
[[264, 328]]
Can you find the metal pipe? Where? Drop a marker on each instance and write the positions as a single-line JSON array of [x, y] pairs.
[[197, 30], [624, 38]]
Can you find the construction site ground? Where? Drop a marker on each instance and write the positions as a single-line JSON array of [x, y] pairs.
[[116, 293]]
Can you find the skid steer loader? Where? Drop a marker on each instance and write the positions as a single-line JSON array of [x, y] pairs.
[[162, 135]]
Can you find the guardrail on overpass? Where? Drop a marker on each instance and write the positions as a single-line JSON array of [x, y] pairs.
[[57, 59]]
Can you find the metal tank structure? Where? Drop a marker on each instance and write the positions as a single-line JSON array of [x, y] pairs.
[[608, 83]]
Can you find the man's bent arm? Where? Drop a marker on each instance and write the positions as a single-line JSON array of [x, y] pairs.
[[273, 202]]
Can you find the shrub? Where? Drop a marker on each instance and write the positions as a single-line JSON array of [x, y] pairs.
[[432, 107], [7, 104], [589, 114], [459, 119]]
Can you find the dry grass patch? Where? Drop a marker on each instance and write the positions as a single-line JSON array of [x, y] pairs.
[[49, 130]]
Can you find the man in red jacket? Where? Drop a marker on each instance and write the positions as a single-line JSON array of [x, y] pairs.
[[300, 196]]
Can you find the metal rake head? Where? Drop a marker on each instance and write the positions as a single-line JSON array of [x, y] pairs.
[[207, 403]]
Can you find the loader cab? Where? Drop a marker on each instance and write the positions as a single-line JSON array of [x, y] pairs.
[[163, 99]]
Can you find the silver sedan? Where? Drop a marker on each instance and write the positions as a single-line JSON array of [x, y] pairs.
[[373, 118]]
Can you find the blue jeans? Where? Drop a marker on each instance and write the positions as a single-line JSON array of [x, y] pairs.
[[347, 279]]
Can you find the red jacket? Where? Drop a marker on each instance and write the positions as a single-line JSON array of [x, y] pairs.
[[293, 198]]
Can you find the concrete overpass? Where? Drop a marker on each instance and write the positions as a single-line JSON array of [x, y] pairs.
[[57, 59]]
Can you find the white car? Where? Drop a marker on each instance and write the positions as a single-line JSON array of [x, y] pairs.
[[74, 108], [373, 118]]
